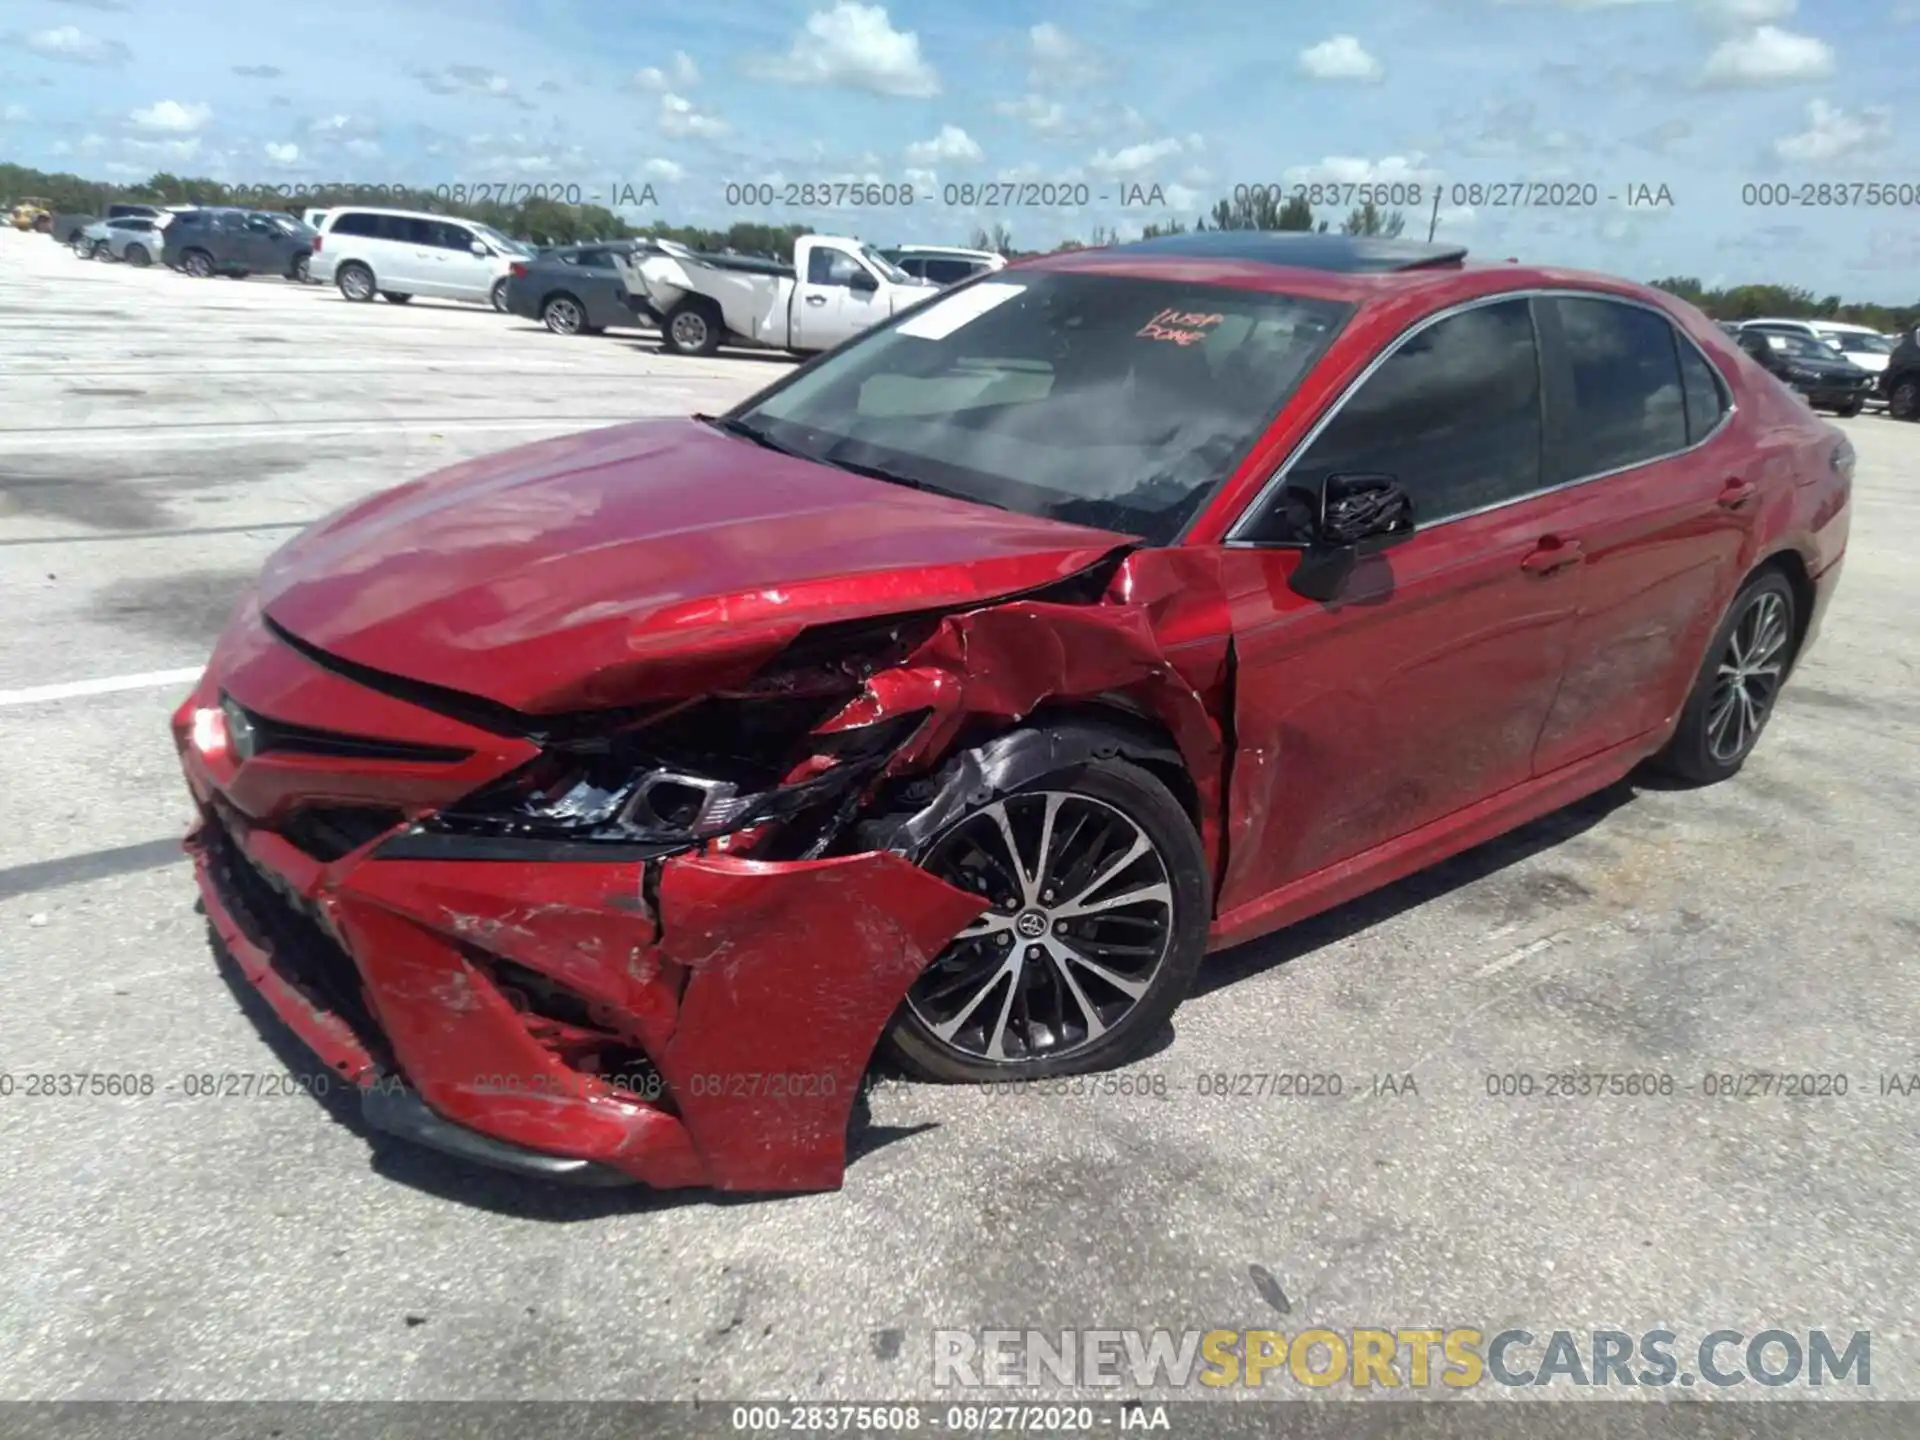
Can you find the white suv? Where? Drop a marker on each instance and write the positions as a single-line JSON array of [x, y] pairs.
[[398, 254], [1862, 344]]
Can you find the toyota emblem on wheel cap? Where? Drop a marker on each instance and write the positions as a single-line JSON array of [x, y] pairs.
[[1031, 925]]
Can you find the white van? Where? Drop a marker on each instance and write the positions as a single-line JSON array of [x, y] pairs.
[[398, 254]]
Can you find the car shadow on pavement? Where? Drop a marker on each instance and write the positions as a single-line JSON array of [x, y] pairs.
[[1423, 886], [500, 1191]]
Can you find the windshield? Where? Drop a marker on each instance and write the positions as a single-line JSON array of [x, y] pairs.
[[1800, 347], [1107, 401], [1862, 344], [885, 266], [501, 242]]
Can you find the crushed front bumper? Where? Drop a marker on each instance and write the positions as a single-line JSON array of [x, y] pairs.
[[746, 997]]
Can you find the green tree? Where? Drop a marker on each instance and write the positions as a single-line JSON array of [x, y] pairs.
[[1369, 219]]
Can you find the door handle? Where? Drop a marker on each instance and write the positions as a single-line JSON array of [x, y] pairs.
[[1736, 493], [816, 299], [1551, 556]]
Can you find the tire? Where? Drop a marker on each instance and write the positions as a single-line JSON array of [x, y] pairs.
[[497, 297], [138, 257], [84, 249], [1847, 412], [395, 297], [1903, 398], [1066, 1026], [197, 263], [1717, 730], [564, 315], [297, 271], [356, 282], [693, 327]]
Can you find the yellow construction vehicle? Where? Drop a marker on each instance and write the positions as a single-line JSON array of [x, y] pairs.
[[33, 213]]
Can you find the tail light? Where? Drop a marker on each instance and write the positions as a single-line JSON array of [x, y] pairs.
[[316, 244], [517, 270]]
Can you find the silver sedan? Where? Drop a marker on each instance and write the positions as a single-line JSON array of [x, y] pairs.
[[132, 238]]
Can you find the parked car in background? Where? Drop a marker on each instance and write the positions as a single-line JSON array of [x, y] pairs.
[[223, 240], [312, 218], [944, 264], [577, 289], [67, 228], [836, 287], [1825, 377], [1901, 381], [1862, 344], [132, 238], [398, 254], [960, 691]]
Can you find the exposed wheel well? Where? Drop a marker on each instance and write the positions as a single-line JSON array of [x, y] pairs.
[[1113, 714]]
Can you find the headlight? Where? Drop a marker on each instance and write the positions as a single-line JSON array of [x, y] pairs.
[[624, 792]]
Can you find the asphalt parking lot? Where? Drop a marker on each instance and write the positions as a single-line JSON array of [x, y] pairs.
[[159, 436]]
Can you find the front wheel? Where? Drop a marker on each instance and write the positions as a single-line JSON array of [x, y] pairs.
[[355, 282], [1734, 693], [1903, 399], [1098, 919], [83, 248]]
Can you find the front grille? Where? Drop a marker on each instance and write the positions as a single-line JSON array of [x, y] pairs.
[[327, 832], [304, 954]]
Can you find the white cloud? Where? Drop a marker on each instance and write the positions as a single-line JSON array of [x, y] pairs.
[[1744, 14], [952, 146], [1832, 133], [1134, 162], [170, 117], [1769, 56], [1058, 61], [854, 46], [665, 170], [287, 154], [684, 75], [1341, 57], [682, 119], [1358, 170], [14, 112], [72, 44], [1042, 116]]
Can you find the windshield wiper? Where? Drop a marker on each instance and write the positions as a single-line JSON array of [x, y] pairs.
[[895, 477], [728, 425]]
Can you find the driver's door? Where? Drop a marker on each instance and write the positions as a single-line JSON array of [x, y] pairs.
[[1422, 687], [839, 297]]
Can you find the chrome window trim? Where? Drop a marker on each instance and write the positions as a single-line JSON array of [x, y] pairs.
[[1257, 506]]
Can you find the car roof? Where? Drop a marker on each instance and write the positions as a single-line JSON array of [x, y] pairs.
[[959, 252], [1357, 270], [409, 214]]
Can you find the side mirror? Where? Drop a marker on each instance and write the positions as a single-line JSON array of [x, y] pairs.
[[479, 248], [862, 280], [1353, 516]]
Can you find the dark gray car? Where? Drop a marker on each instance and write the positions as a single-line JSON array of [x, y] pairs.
[[575, 289], [217, 240]]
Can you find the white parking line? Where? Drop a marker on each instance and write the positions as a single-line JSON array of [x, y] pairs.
[[34, 694]]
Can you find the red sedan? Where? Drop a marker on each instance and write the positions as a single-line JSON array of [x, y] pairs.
[[599, 807]]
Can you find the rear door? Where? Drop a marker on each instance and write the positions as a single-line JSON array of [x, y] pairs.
[[1661, 499], [597, 286], [1421, 688]]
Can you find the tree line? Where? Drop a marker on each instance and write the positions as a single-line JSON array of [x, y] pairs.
[[549, 222]]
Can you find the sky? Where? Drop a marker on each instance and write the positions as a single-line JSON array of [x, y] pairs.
[[1649, 138]]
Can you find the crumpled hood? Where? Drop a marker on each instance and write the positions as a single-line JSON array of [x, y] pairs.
[[637, 562]]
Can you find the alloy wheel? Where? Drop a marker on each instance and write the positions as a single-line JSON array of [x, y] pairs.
[[1904, 402], [498, 296], [563, 317], [356, 284], [199, 265], [1748, 678], [1080, 924]]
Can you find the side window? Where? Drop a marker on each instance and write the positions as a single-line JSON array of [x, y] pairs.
[[354, 224], [593, 260], [947, 272], [260, 224], [1453, 415], [432, 234], [1623, 369], [831, 267], [1705, 392]]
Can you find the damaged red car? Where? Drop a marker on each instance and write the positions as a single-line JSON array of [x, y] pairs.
[[601, 807]]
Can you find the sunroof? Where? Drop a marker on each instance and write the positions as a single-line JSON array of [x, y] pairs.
[[1350, 254]]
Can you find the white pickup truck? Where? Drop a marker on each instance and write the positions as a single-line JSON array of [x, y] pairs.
[[835, 288]]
